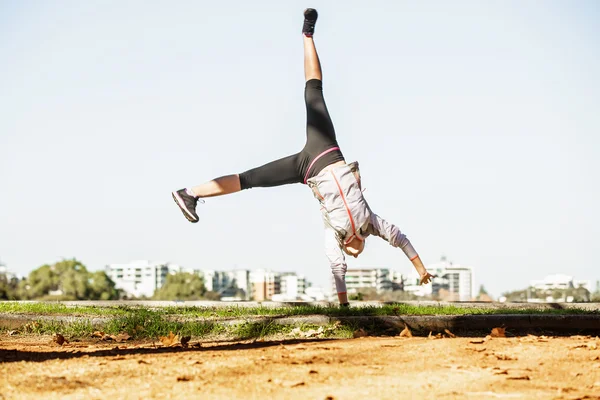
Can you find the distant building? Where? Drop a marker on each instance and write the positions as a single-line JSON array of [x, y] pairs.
[[358, 278], [453, 282], [264, 284], [140, 278], [231, 285], [240, 281], [214, 281], [292, 287]]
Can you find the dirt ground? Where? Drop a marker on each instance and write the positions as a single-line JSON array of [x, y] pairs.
[[369, 367]]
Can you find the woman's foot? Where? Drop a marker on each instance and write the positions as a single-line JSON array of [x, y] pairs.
[[187, 204], [310, 19]]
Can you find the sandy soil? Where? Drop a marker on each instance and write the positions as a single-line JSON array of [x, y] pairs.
[[369, 367]]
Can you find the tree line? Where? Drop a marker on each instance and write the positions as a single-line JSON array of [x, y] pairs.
[[70, 279]]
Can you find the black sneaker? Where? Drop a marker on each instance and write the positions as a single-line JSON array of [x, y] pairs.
[[187, 204], [310, 19]]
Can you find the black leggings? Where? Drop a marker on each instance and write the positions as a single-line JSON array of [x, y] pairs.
[[320, 137]]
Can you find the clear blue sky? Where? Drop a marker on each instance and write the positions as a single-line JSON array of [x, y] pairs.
[[476, 124]]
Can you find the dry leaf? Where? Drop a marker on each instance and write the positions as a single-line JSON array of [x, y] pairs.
[[452, 335], [121, 337], [498, 332], [406, 332], [59, 339], [170, 341], [99, 334], [184, 378], [298, 384], [359, 333], [519, 378]]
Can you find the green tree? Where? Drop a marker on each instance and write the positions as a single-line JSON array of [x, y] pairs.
[[101, 287], [70, 278], [74, 282], [39, 282], [8, 288], [181, 286], [579, 294]]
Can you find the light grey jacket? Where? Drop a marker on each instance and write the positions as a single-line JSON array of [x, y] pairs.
[[347, 214]]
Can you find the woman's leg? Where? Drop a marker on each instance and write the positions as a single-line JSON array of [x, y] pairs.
[[321, 147], [284, 171], [276, 173], [312, 65], [217, 187]]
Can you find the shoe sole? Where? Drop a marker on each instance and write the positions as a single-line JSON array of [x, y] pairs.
[[186, 213]]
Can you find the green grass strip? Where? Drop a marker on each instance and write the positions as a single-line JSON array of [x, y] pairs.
[[51, 308]]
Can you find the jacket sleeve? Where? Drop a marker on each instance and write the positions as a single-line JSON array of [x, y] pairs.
[[337, 259], [390, 232]]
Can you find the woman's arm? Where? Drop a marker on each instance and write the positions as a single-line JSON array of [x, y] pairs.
[[337, 262], [425, 276], [391, 233]]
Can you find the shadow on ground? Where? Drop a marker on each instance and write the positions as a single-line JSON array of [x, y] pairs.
[[41, 356]]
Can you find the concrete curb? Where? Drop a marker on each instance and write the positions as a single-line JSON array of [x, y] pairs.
[[418, 323]]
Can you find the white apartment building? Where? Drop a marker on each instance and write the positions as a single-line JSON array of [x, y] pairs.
[[214, 281], [452, 280], [240, 279], [291, 288], [141, 277], [230, 284], [357, 278]]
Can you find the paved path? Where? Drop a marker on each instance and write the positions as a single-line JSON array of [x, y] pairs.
[[275, 304]]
